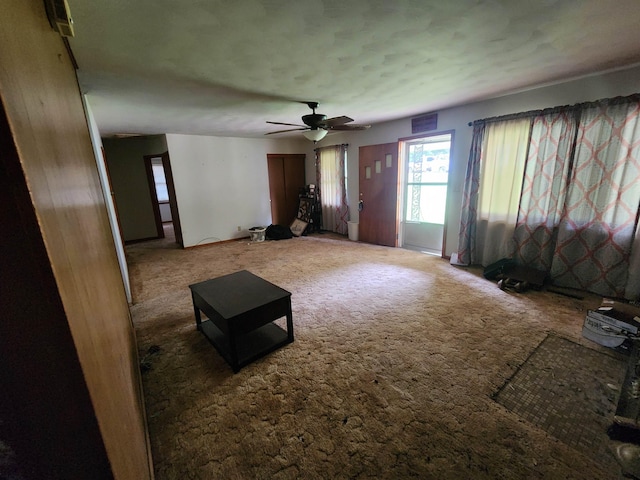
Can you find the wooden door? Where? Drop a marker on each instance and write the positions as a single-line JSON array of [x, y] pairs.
[[378, 177], [286, 177]]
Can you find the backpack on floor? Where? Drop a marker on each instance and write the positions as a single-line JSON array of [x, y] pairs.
[[278, 232]]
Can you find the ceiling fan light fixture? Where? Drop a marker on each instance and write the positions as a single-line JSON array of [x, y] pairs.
[[315, 135]]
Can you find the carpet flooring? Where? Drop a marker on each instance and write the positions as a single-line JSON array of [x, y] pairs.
[[392, 373]]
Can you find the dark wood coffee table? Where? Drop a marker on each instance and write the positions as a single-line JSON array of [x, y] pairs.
[[240, 310]]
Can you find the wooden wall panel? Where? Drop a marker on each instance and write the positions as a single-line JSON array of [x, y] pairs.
[[43, 106]]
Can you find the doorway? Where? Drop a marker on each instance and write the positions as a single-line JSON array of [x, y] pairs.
[[425, 185], [163, 197]]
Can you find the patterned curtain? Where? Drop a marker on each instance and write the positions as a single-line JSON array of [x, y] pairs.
[[331, 179], [468, 216], [600, 219], [544, 188]]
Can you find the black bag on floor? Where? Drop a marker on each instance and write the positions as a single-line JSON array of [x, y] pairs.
[[500, 267], [278, 232]]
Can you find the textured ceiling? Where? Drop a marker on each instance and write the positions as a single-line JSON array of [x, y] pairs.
[[224, 67]]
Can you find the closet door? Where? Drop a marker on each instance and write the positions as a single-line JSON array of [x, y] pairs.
[[286, 177], [72, 405]]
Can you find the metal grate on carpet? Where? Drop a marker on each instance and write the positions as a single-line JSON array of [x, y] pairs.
[[570, 391]]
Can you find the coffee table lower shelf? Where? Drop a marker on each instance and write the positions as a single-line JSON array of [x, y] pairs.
[[250, 346]]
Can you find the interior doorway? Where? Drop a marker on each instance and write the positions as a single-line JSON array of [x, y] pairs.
[[425, 184], [163, 197]]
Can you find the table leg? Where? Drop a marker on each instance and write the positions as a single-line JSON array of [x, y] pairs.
[[233, 351], [197, 312], [290, 322]]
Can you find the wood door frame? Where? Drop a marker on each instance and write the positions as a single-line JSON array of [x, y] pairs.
[[171, 191], [155, 204], [173, 202]]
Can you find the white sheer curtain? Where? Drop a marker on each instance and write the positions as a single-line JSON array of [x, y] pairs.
[[502, 163], [330, 173]]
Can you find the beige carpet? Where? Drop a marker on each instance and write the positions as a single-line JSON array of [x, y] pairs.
[[396, 357]]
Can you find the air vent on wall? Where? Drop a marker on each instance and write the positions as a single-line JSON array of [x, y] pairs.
[[59, 17], [424, 123]]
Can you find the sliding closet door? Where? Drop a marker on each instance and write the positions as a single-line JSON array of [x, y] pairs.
[[286, 177], [70, 372]]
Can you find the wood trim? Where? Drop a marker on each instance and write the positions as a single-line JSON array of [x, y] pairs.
[[173, 199], [221, 242], [140, 240]]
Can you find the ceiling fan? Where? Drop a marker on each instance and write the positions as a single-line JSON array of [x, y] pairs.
[[316, 125]]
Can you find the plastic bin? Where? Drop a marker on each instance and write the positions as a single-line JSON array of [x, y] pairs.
[[257, 234], [353, 231]]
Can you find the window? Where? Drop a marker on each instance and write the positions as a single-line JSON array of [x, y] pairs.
[[160, 180], [427, 175]]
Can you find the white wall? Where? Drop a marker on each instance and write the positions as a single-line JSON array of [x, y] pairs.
[[222, 183], [619, 83]]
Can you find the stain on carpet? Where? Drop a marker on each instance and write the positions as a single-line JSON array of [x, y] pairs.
[[571, 392]]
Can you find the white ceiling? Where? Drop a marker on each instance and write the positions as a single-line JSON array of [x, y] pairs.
[[224, 67]]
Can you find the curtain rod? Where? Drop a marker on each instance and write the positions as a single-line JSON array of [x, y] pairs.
[[564, 108]]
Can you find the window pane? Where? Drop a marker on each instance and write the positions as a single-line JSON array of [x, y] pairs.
[[161, 182], [426, 203], [428, 162], [158, 173], [161, 191]]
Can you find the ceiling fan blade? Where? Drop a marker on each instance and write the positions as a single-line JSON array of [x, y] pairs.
[[290, 124], [289, 130], [349, 127], [330, 122]]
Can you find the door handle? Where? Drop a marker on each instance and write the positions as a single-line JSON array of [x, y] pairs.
[[360, 205]]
